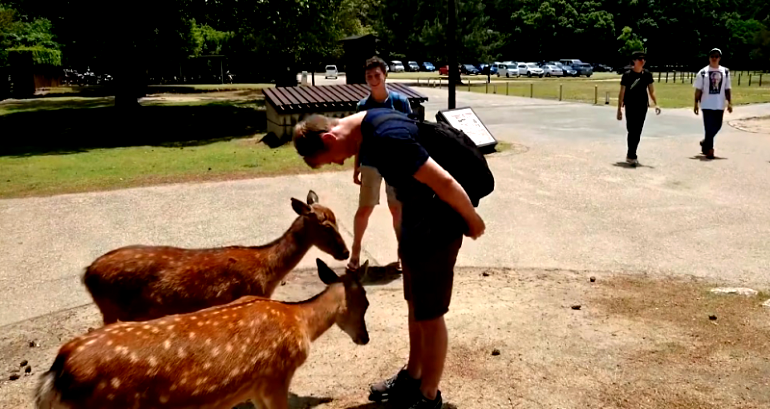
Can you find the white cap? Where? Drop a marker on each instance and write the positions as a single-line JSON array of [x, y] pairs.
[[717, 50]]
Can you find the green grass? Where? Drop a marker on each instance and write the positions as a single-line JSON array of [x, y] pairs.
[[116, 168], [669, 95]]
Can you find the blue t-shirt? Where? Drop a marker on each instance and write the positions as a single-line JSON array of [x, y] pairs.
[[393, 149], [394, 101]]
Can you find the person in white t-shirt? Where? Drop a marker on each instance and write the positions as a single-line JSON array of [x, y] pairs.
[[712, 90]]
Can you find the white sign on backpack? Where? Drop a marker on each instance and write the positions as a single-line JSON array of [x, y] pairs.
[[467, 121]]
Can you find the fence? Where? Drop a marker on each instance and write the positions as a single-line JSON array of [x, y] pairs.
[[739, 78]]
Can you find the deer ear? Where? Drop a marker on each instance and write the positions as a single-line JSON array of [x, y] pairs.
[[326, 274], [312, 198], [300, 207]]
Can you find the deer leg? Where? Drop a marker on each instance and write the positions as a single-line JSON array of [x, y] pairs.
[[277, 396]]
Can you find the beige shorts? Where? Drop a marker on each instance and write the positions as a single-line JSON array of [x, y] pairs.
[[371, 180]]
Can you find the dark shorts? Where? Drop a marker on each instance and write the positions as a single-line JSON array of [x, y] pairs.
[[428, 251]]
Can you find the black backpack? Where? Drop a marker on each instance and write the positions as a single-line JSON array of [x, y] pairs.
[[456, 153]]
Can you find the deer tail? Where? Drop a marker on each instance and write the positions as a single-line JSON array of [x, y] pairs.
[[46, 395]]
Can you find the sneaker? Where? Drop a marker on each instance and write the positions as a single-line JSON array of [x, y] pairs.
[[424, 403], [398, 387], [710, 154], [632, 162]]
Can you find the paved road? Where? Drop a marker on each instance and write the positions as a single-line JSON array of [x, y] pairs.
[[561, 202]]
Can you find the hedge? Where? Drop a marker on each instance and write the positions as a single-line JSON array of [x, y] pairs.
[[39, 55]]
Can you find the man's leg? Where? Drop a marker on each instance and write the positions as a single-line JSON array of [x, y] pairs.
[[368, 197], [395, 211], [432, 293], [711, 129], [405, 384], [634, 123], [414, 366]]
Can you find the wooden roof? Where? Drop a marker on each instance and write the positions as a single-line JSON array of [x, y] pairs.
[[328, 97]]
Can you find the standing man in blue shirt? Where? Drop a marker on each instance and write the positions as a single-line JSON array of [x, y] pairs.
[[367, 176]]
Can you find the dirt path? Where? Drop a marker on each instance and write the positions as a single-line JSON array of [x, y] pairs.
[[634, 343]]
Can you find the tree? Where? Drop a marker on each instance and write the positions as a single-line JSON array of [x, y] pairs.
[[629, 42]]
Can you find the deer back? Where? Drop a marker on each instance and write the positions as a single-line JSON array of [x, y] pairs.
[[210, 357]]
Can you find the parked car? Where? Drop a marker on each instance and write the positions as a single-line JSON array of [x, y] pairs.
[[331, 71], [469, 69], [552, 71], [445, 70], [530, 69], [601, 68], [413, 66], [428, 66], [397, 66], [570, 62], [508, 69], [488, 69], [583, 69]]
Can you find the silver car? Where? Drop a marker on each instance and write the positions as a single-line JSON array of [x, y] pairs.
[[552, 71]]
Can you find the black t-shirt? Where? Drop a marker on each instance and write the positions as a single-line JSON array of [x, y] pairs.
[[636, 87], [393, 148]]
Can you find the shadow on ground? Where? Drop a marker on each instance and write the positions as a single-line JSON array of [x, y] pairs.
[[704, 158], [627, 165], [295, 402], [71, 126], [380, 405]]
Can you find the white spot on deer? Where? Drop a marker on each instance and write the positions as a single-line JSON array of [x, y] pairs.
[[207, 341], [224, 317], [201, 381], [167, 344], [200, 323], [241, 323], [134, 359], [228, 347], [183, 380], [80, 348], [109, 343], [129, 329], [163, 399], [193, 318], [212, 388], [155, 330], [177, 319], [170, 328], [214, 324], [207, 322], [172, 388], [196, 392], [101, 385], [90, 342], [180, 353], [235, 372], [215, 351], [207, 365], [152, 361], [115, 382], [191, 335], [137, 256], [146, 326], [111, 397]]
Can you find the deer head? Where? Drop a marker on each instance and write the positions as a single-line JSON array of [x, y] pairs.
[[351, 313], [322, 226]]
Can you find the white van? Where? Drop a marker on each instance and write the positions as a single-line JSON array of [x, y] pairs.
[[331, 71]]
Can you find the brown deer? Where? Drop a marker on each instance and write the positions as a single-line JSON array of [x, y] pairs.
[[214, 358], [140, 283]]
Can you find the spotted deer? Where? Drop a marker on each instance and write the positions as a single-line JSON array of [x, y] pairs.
[[140, 283], [214, 358]]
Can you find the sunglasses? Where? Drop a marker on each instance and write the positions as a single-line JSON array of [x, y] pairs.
[[715, 56], [641, 59]]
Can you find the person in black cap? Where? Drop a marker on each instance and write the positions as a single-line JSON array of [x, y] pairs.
[[634, 86], [712, 89]]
